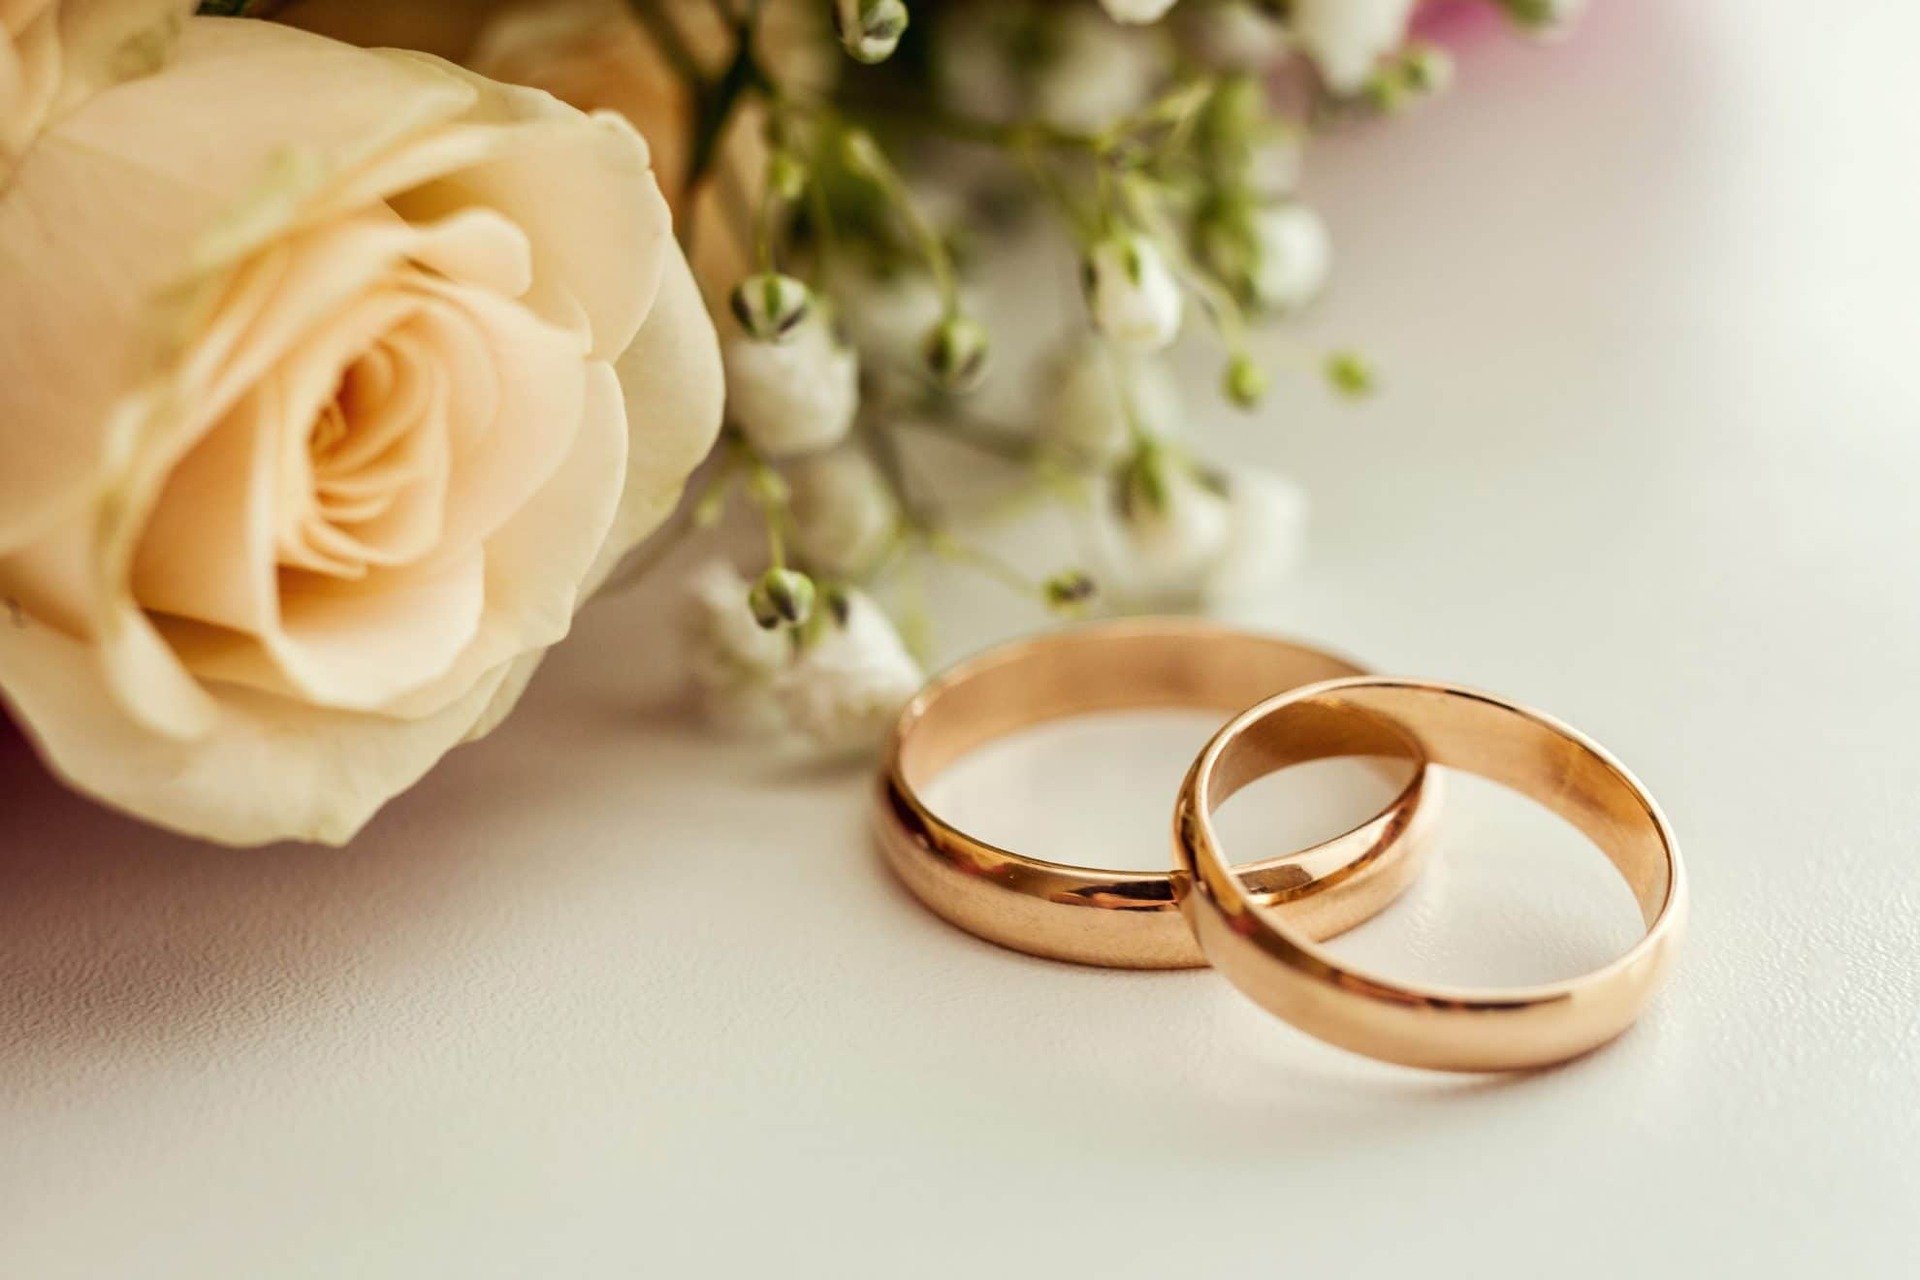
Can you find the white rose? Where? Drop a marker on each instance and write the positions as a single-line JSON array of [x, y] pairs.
[[331, 382]]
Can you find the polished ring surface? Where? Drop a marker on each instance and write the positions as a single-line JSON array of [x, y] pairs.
[[1459, 1030], [1122, 919]]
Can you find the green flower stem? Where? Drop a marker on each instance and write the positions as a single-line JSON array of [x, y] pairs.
[[926, 237], [825, 230], [716, 101], [764, 488], [979, 559], [1138, 431], [1140, 198], [667, 37], [1084, 225], [982, 437], [1009, 136], [914, 517], [763, 222]]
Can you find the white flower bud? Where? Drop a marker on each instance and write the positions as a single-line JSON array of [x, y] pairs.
[[1291, 257], [1083, 418], [795, 396], [851, 678], [1172, 525], [732, 660], [1131, 292], [1136, 12], [1068, 591], [956, 352], [1266, 534], [1232, 35], [1428, 69], [1094, 71], [1346, 37], [870, 30], [769, 305], [1351, 374], [887, 316], [787, 175], [863, 157], [1546, 19], [844, 515], [1245, 381], [1275, 156], [781, 598], [1224, 543], [1417, 72]]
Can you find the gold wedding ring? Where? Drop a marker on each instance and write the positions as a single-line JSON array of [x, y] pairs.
[[1277, 964], [1127, 919]]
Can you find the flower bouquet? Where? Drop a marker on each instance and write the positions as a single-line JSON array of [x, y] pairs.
[[334, 379]]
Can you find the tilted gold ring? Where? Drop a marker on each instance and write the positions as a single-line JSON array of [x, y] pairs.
[[1278, 965], [1124, 919]]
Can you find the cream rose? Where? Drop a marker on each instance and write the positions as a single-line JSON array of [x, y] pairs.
[[331, 382]]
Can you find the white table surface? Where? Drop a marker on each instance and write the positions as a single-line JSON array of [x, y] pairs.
[[604, 998]]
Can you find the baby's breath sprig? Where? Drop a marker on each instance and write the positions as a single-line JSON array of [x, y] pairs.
[[854, 342]]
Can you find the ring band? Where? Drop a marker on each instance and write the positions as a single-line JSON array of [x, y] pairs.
[[1459, 1030], [1122, 919]]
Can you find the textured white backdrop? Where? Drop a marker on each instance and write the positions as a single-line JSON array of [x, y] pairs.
[[604, 999]]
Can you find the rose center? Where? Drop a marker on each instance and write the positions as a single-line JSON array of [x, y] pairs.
[[367, 487]]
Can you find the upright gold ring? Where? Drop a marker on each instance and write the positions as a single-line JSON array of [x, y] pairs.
[[1279, 966], [1124, 919]]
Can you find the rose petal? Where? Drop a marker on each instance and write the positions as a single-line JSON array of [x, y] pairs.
[[506, 695], [537, 560], [29, 72], [586, 197], [350, 649], [674, 388], [103, 42], [54, 56], [670, 378], [533, 375], [268, 769]]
